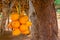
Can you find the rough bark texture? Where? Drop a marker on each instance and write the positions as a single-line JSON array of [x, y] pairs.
[[47, 22]]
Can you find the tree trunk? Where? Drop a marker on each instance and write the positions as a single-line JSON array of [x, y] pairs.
[[47, 21]]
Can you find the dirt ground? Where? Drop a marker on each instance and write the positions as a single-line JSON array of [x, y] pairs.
[[59, 29]]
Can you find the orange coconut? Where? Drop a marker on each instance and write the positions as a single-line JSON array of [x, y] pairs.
[[23, 28], [14, 16], [16, 32], [23, 19], [15, 24], [28, 23]]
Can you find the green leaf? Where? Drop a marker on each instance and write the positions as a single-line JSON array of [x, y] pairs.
[[57, 2]]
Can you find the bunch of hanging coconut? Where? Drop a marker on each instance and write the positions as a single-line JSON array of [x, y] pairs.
[[20, 23]]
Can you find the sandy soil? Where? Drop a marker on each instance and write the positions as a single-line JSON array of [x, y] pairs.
[[58, 29]]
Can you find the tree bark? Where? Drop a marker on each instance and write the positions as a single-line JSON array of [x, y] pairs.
[[47, 21]]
